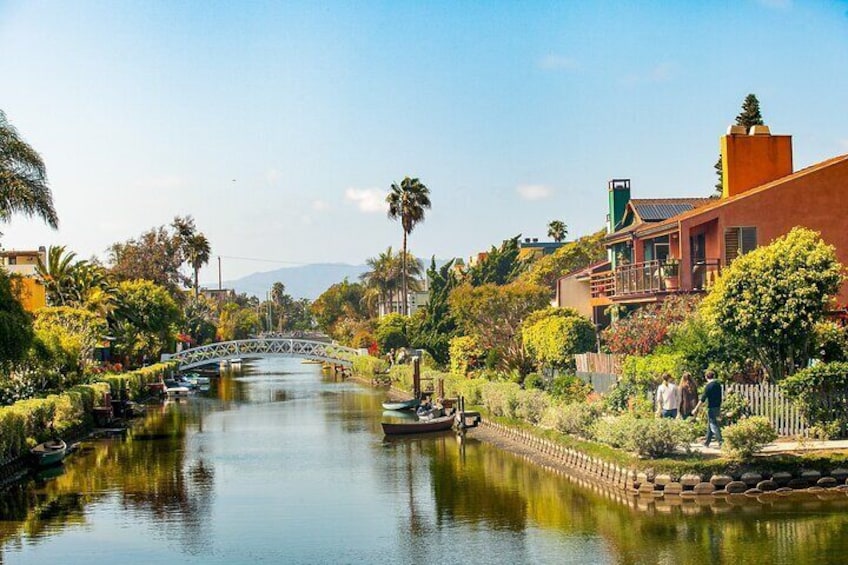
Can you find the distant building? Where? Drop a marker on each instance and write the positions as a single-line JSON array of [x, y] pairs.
[[29, 287], [218, 295], [415, 300], [532, 248]]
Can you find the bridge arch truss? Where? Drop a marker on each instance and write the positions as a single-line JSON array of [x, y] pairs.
[[262, 348]]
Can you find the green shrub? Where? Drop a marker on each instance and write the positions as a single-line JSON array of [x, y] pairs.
[[368, 366], [465, 354], [534, 381], [471, 389], [646, 371], [648, 437], [391, 332], [531, 405], [809, 386], [575, 418], [133, 385], [748, 436], [501, 398], [569, 388]]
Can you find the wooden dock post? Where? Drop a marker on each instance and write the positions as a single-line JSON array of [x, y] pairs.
[[416, 377]]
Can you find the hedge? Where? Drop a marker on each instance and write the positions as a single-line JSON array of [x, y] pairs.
[[133, 385], [27, 422]]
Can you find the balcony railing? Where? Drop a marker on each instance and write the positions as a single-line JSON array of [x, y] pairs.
[[645, 278], [650, 277], [704, 273]]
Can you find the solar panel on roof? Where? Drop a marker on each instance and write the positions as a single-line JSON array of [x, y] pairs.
[[659, 212]]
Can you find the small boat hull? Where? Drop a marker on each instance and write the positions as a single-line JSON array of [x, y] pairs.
[[405, 405], [49, 453], [419, 427]]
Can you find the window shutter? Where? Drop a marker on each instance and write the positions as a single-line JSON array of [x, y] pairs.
[[731, 245], [749, 239]]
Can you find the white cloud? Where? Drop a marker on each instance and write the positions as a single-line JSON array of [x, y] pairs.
[[368, 200], [553, 62], [534, 191], [319, 205]]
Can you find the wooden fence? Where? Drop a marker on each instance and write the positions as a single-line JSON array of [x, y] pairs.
[[600, 370], [608, 363], [768, 400]]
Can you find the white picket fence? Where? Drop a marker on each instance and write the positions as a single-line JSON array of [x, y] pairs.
[[768, 400]]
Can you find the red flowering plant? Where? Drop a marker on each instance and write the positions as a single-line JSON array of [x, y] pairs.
[[642, 330]]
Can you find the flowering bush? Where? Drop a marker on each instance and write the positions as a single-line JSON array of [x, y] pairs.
[[644, 329]]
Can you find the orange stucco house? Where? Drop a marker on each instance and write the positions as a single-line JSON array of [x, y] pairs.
[[659, 247], [26, 284]]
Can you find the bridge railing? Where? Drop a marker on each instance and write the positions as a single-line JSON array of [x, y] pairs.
[[264, 347]]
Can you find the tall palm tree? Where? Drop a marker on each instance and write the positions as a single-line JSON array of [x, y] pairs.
[[23, 178], [557, 230], [197, 250], [407, 203]]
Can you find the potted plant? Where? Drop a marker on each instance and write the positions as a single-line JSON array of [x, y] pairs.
[[670, 269]]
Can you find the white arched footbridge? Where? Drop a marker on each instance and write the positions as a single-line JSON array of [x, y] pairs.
[[261, 348]]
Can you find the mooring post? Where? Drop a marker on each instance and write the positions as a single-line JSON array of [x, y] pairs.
[[416, 377]]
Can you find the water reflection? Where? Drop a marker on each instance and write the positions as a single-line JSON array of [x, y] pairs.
[[284, 464]]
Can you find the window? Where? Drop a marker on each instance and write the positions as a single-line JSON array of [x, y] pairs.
[[738, 241]]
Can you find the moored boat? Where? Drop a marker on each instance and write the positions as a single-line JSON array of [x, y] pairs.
[[411, 404], [419, 427], [49, 453]]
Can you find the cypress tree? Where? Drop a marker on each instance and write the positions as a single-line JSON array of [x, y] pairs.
[[749, 116]]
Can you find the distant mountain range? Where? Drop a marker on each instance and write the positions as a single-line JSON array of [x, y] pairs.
[[306, 281]]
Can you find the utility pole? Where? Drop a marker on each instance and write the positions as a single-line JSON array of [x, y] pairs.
[[220, 286]]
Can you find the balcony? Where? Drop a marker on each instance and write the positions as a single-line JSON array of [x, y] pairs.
[[652, 277]]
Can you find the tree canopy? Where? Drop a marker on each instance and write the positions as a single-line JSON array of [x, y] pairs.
[[15, 323], [500, 266], [554, 335], [771, 298], [494, 314], [23, 178]]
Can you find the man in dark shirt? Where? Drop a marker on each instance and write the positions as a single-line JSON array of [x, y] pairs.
[[712, 397]]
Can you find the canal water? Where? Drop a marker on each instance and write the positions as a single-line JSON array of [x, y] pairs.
[[283, 464]]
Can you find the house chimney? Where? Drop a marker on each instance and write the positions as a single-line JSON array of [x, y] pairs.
[[619, 196], [753, 158]]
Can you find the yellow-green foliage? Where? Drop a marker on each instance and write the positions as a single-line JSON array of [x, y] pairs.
[[133, 385], [554, 335], [465, 352], [28, 422], [771, 298], [646, 371], [367, 366], [748, 436], [402, 375]]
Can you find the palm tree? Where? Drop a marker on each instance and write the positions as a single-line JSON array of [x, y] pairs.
[[58, 275], [557, 230], [407, 203], [23, 178], [197, 252], [383, 278]]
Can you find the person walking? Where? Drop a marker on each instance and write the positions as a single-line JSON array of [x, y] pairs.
[[712, 397], [668, 398], [688, 395]]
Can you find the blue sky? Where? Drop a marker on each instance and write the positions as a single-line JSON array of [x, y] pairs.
[[280, 126]]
